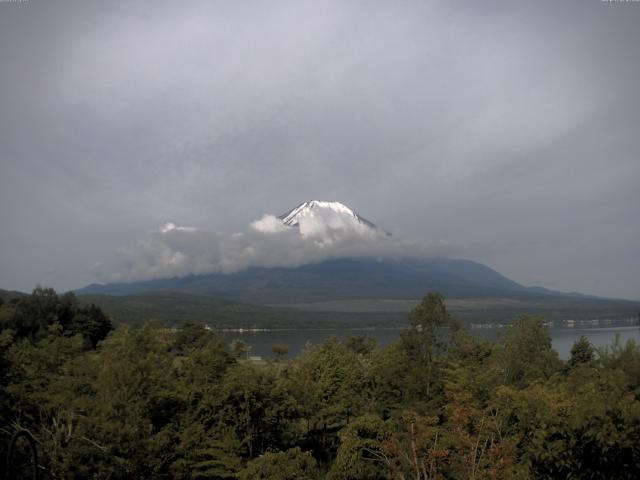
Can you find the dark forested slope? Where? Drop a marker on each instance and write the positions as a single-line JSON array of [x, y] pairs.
[[341, 279]]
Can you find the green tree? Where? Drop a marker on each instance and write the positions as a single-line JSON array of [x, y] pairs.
[[33, 314], [582, 353], [205, 447], [394, 383], [584, 428], [92, 323], [31, 317], [294, 464], [239, 349], [361, 455], [251, 402], [50, 390], [328, 383], [474, 431], [37, 369], [624, 358], [206, 454], [525, 353], [191, 336], [361, 344], [414, 448], [136, 405], [422, 346]]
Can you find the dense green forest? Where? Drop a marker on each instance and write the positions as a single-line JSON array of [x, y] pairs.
[[153, 402], [173, 309]]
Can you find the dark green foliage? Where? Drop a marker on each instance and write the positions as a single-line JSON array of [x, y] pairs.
[[525, 352], [439, 403], [625, 358], [582, 353], [393, 383], [423, 345], [293, 464], [33, 316], [430, 313], [191, 336], [326, 377], [207, 455], [251, 403], [90, 322], [361, 442], [173, 309], [586, 428], [363, 344]]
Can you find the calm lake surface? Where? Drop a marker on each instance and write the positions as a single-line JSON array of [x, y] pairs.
[[262, 342]]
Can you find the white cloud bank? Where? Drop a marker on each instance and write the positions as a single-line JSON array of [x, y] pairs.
[[175, 251]]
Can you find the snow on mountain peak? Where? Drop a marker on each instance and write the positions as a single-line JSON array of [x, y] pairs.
[[332, 214]]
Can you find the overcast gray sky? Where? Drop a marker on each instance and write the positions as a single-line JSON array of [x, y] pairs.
[[509, 131]]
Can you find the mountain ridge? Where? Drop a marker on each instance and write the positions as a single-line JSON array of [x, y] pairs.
[[340, 279]]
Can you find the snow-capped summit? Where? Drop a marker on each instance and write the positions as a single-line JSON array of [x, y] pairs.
[[327, 211]]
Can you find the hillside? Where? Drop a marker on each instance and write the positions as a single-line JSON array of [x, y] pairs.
[[337, 279], [356, 290], [174, 309], [343, 279], [7, 295]]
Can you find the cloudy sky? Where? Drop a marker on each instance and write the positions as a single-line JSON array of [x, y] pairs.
[[508, 131]]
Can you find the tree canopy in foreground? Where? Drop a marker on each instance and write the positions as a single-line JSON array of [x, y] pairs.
[[151, 402]]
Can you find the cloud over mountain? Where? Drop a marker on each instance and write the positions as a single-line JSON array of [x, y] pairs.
[[322, 230]]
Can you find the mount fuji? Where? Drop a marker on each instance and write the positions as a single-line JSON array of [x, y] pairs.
[[337, 277], [334, 286]]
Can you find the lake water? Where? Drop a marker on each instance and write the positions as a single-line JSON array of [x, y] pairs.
[[262, 342]]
